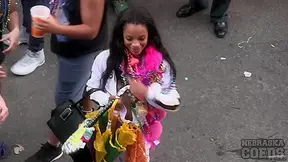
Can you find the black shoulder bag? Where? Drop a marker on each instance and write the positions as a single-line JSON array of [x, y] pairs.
[[66, 117]]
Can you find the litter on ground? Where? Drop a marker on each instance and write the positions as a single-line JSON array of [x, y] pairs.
[[247, 74]]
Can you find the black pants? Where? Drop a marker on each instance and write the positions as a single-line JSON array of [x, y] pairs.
[[218, 10], [35, 44]]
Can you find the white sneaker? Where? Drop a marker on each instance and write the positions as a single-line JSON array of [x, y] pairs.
[[28, 63], [23, 39]]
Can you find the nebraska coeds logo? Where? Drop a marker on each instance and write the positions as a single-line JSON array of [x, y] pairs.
[[263, 149]]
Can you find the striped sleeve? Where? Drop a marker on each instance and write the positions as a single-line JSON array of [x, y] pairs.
[[165, 95]]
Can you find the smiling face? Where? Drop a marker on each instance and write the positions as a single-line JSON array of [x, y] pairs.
[[135, 38]]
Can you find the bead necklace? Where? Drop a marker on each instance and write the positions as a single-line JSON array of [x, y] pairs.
[[139, 108], [5, 13], [147, 78], [158, 80]]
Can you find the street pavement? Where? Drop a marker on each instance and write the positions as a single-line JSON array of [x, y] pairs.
[[220, 106]]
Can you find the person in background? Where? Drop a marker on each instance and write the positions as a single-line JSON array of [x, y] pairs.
[[218, 13], [3, 108], [34, 55], [9, 16], [79, 32], [10, 19]]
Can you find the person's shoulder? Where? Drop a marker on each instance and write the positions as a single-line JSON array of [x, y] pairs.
[[103, 55], [101, 59]]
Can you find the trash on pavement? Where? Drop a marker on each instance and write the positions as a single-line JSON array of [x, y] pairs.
[[18, 149], [247, 74], [243, 44]]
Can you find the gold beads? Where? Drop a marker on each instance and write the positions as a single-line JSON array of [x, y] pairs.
[[8, 15]]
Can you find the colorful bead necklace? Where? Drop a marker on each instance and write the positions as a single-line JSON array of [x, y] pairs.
[[147, 75], [139, 72]]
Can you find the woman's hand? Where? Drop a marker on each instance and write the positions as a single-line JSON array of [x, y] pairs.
[[3, 110], [138, 89], [13, 38], [49, 25], [125, 101]]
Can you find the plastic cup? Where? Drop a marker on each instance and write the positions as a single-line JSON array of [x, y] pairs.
[[38, 12]]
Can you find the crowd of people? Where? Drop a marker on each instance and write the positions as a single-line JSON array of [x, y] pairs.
[[135, 56]]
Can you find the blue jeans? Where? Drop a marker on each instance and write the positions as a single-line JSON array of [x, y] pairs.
[[73, 74], [35, 44]]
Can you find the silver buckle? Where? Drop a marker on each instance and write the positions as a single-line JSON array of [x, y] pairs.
[[65, 114]]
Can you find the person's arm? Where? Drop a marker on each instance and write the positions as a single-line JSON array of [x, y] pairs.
[[91, 14], [98, 68], [14, 17], [164, 96], [3, 110], [13, 27]]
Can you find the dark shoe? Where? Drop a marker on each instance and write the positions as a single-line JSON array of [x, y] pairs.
[[187, 10], [220, 29], [47, 153]]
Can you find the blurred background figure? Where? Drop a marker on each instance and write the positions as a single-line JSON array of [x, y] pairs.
[[34, 55], [218, 13], [9, 19], [3, 108]]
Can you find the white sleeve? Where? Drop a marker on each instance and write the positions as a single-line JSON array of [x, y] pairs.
[[99, 66], [165, 95]]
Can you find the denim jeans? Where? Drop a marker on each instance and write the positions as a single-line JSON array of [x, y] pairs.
[[73, 74], [35, 44]]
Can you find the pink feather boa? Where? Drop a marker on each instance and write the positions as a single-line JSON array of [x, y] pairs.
[[147, 67], [145, 71], [153, 59]]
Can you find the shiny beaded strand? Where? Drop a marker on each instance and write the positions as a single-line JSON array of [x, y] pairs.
[[6, 9]]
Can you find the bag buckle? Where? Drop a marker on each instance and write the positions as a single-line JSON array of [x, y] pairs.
[[65, 114]]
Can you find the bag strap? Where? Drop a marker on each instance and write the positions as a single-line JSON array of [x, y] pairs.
[[88, 94]]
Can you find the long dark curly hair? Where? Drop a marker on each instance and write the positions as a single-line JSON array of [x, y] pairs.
[[137, 16]]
